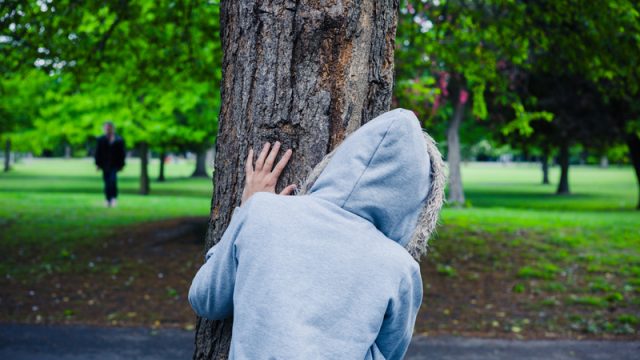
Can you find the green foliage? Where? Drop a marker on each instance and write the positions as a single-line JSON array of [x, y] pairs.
[[629, 319], [446, 270], [545, 271], [21, 95], [593, 301], [518, 288], [542, 72], [522, 120], [471, 44], [600, 285], [151, 67], [587, 72], [554, 287]]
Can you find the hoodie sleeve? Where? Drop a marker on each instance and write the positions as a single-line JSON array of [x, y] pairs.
[[211, 292], [399, 320]]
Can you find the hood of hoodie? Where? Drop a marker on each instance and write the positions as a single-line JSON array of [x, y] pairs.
[[380, 172]]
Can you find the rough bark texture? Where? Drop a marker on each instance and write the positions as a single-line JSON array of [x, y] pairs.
[[456, 191], [144, 168], [306, 73], [201, 164], [544, 161], [163, 157], [633, 142], [563, 184], [7, 155]]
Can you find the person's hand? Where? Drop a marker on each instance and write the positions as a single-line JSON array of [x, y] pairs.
[[263, 178]]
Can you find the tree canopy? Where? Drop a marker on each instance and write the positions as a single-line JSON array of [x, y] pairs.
[[153, 68]]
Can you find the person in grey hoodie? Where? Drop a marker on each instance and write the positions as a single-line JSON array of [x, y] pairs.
[[330, 273]]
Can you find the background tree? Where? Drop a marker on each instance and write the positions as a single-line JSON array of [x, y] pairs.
[[21, 95], [588, 62], [141, 52], [460, 49], [305, 74]]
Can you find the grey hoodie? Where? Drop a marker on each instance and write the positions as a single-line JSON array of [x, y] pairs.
[[326, 275]]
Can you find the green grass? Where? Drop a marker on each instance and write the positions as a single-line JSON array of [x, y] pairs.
[[596, 225], [51, 206], [518, 186], [63, 199], [578, 253]]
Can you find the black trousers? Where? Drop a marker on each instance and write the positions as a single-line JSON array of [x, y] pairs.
[[110, 183]]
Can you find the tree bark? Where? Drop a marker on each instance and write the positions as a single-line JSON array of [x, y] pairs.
[[633, 142], [304, 73], [201, 164], [163, 157], [563, 184], [144, 168], [456, 191], [545, 165], [7, 155]]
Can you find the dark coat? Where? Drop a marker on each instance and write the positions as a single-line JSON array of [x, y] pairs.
[[110, 155]]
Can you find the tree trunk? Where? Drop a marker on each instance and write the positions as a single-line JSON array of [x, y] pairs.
[[67, 151], [163, 157], [7, 155], [633, 142], [563, 185], [304, 73], [456, 191], [201, 164], [604, 161], [144, 168], [545, 165], [211, 153]]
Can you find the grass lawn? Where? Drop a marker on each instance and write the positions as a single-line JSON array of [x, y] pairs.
[[51, 206], [551, 264], [520, 261]]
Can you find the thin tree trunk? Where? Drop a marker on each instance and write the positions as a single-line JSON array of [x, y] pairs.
[[584, 155], [7, 155], [201, 164], [144, 168], [456, 191], [563, 185], [163, 157], [304, 73], [633, 142], [545, 165], [67, 151], [604, 161]]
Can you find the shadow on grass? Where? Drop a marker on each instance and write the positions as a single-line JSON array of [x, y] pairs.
[[546, 201]]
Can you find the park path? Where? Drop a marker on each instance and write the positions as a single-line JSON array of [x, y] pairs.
[[22, 342]]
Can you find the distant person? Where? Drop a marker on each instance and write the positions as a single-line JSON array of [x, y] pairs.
[[328, 274], [109, 158]]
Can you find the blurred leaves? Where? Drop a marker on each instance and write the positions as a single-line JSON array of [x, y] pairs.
[[153, 68]]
